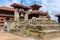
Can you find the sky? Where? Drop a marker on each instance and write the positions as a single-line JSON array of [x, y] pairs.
[[52, 6]]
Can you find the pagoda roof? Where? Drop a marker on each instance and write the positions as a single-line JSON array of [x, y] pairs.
[[9, 9], [20, 6], [38, 12], [35, 5], [6, 9], [58, 15], [32, 12]]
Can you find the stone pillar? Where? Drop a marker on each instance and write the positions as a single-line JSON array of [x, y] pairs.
[[26, 16], [16, 14], [25, 20], [16, 18]]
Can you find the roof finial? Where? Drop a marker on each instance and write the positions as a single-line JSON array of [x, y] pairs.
[[35, 1], [21, 2]]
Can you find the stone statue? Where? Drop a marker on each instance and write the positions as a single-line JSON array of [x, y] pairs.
[[5, 26]]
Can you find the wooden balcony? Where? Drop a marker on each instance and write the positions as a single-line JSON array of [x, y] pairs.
[[6, 15]]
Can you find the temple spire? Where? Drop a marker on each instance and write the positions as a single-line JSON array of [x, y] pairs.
[[35, 2], [21, 2]]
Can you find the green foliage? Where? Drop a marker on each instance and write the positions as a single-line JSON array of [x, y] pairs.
[[31, 32], [42, 33], [28, 32], [12, 31]]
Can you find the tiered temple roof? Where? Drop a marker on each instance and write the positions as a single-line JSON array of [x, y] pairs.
[[38, 12], [6, 9], [9, 9], [35, 6], [20, 6], [58, 15]]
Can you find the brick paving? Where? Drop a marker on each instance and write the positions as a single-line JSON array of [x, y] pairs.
[[7, 36]]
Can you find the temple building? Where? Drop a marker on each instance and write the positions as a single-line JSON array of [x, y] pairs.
[[29, 22], [23, 17], [58, 15]]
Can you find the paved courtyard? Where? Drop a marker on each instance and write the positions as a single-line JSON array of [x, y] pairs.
[[7, 36]]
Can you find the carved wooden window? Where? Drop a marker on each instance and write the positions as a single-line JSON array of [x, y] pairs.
[[2, 19]]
